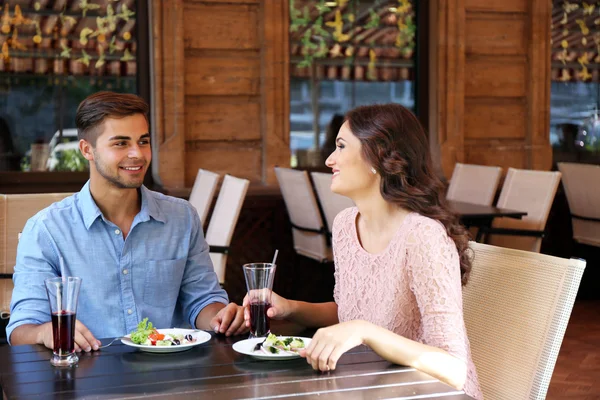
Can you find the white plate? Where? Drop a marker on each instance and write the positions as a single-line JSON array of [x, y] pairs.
[[247, 347], [200, 336]]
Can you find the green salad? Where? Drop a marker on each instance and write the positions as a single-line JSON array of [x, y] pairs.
[[274, 344], [144, 330]]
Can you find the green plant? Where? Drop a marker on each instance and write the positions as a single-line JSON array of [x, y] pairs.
[[71, 160]]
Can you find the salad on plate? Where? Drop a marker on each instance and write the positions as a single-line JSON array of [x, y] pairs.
[[146, 334], [278, 345]]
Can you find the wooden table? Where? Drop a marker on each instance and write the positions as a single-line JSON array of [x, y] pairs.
[[482, 216], [213, 371]]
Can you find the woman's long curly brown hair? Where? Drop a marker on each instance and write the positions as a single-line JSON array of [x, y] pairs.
[[396, 145]]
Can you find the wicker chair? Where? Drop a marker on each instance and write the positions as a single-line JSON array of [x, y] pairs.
[[476, 184], [583, 194], [516, 308], [530, 191]]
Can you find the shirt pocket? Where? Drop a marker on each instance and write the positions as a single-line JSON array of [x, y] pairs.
[[163, 281]]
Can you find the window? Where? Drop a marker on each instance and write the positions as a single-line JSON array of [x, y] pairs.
[[344, 54], [54, 54], [575, 91]]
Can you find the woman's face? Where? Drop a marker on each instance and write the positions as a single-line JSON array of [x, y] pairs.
[[352, 175]]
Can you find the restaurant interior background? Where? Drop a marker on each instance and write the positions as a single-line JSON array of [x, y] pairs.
[[242, 86]]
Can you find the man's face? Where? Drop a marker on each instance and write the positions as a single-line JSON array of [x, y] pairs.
[[122, 152]]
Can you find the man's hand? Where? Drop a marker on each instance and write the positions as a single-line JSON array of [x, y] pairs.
[[84, 339], [229, 320]]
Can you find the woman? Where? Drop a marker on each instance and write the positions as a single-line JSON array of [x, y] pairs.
[[400, 255]]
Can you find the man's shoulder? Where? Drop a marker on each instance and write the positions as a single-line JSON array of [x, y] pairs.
[[58, 210], [168, 203]]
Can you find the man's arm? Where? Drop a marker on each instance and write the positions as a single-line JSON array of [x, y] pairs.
[[200, 295], [36, 261]]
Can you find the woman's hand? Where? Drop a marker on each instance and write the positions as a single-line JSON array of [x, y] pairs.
[[281, 308], [328, 344]]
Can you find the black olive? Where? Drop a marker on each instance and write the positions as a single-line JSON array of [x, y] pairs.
[[176, 341], [188, 338]]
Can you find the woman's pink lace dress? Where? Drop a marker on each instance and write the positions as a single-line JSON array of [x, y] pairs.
[[411, 288]]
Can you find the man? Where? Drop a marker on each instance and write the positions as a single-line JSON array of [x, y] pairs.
[[139, 253]]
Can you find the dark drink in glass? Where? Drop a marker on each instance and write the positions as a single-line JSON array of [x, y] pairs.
[[259, 282], [63, 293], [259, 321], [63, 331]]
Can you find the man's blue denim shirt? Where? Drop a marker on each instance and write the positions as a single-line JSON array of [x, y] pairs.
[[162, 270]]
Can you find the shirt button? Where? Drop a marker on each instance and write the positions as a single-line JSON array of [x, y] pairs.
[[125, 272], [117, 231], [129, 312]]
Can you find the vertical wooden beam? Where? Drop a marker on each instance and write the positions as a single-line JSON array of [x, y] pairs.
[[450, 81], [168, 111], [538, 138], [275, 87]]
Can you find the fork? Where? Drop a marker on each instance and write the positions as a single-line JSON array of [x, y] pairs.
[[111, 342]]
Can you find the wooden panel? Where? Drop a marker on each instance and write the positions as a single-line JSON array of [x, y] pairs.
[[227, 26], [496, 34], [497, 6], [498, 77], [222, 118], [495, 119], [222, 75], [234, 159], [496, 154]]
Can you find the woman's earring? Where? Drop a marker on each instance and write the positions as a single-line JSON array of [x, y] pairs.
[[373, 170]]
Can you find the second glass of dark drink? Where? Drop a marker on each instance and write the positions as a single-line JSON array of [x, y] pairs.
[[259, 282], [63, 293]]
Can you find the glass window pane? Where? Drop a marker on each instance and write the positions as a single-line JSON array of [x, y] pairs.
[[345, 54], [50, 61]]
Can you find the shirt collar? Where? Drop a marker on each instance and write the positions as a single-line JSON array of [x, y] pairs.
[[91, 212]]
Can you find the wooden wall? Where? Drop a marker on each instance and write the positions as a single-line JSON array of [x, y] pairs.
[[492, 74], [221, 83]]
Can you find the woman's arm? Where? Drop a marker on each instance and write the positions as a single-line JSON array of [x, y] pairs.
[[328, 345], [431, 360], [310, 315], [313, 315]]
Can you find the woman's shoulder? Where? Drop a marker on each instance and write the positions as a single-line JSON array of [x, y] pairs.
[[345, 218], [424, 229]]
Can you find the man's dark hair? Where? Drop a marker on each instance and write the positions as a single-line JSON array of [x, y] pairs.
[[92, 112]]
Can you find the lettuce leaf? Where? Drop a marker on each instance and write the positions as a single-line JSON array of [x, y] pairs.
[[144, 329]]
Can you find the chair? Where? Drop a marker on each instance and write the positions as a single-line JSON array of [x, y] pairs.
[[203, 192], [311, 238], [516, 308], [223, 221], [583, 194], [15, 210], [331, 203], [530, 191], [476, 184]]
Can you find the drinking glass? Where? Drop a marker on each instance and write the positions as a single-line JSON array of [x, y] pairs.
[[63, 293], [259, 282]]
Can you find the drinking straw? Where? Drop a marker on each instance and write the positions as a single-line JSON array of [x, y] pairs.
[[275, 256]]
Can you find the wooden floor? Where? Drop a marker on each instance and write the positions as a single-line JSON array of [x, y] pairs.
[[577, 371]]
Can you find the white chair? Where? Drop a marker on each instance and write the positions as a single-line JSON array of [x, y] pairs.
[[516, 308], [15, 210], [331, 203], [476, 184], [223, 221], [310, 236], [203, 192], [582, 187], [529, 191]]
